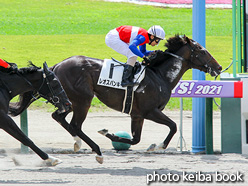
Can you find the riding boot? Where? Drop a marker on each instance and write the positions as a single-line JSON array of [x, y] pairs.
[[127, 77]]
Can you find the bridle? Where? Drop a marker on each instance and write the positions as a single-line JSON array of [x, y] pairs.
[[207, 66], [192, 56], [54, 98]]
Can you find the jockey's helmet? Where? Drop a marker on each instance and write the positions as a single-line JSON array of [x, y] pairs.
[[157, 31]]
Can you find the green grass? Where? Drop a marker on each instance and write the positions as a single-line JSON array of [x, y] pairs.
[[53, 17], [52, 30]]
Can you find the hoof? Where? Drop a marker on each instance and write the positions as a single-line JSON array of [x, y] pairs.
[[99, 159], [103, 132], [154, 147], [160, 147], [76, 147], [51, 161], [77, 144], [151, 148]]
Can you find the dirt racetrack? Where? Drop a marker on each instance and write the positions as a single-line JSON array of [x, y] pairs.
[[126, 168]]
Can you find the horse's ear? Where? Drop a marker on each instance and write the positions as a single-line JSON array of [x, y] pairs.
[[188, 41], [45, 67]]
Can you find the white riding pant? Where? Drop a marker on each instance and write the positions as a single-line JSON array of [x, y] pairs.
[[113, 41]]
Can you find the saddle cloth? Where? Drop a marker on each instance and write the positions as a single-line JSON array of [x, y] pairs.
[[111, 75]]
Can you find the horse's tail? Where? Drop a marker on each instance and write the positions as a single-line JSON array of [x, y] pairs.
[[25, 100]]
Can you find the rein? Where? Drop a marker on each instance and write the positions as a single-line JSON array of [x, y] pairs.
[[175, 56], [54, 97], [30, 84]]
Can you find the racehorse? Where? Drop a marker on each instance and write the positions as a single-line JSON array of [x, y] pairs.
[[79, 76], [37, 81]]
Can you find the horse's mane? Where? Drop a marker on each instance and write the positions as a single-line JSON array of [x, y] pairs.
[[173, 44], [30, 69], [26, 98]]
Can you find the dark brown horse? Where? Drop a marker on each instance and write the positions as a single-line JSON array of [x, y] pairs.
[[35, 81], [79, 76]]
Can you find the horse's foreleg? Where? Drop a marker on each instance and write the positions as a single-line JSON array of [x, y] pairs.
[[11, 128], [92, 144], [158, 117], [136, 127], [78, 134], [60, 118]]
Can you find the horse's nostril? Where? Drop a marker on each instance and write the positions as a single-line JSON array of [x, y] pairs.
[[220, 68]]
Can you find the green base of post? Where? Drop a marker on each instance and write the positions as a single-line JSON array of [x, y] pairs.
[[209, 126], [24, 128]]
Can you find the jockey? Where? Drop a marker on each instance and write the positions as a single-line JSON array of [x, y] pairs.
[[126, 39], [4, 64], [12, 67]]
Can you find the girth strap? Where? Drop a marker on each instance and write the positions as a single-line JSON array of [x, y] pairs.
[[128, 100]]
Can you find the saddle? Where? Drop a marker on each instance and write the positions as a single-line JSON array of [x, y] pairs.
[[111, 76]]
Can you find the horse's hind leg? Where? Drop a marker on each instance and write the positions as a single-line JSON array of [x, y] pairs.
[[158, 117], [11, 128], [136, 127]]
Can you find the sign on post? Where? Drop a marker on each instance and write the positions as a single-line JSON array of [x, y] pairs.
[[208, 89]]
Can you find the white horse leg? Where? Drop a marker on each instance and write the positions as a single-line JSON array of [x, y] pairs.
[[77, 144], [52, 161]]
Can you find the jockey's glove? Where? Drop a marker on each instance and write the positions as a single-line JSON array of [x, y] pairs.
[[146, 61]]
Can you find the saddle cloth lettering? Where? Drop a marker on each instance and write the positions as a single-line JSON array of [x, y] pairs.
[[111, 75]]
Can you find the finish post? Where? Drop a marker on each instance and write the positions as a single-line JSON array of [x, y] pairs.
[[198, 106]]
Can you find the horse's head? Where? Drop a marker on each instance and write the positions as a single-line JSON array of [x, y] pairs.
[[53, 91], [197, 56], [201, 59]]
